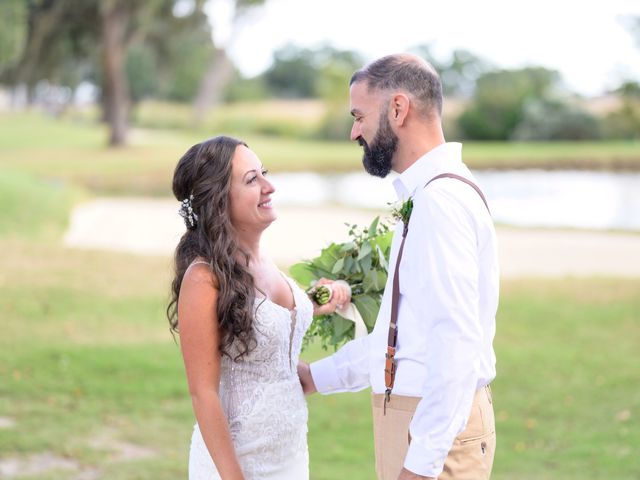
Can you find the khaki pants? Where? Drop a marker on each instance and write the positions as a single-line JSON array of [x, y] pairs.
[[470, 457]]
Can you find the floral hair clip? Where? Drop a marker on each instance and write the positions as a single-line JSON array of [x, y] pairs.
[[187, 213]]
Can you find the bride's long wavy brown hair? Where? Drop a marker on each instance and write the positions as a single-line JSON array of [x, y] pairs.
[[204, 171]]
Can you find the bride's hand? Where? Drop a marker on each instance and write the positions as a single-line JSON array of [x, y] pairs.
[[340, 296]]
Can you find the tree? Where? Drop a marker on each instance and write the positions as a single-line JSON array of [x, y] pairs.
[[293, 73], [624, 122], [546, 119], [220, 69], [500, 96], [171, 59], [115, 18], [303, 73], [13, 29], [335, 70], [96, 38], [458, 73], [128, 22], [52, 43]]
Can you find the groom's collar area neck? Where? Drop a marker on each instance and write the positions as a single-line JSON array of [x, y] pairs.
[[444, 156], [406, 159], [415, 140]]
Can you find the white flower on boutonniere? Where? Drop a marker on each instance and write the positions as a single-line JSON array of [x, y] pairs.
[[403, 212]]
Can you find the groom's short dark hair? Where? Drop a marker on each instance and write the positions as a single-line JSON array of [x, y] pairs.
[[410, 73]]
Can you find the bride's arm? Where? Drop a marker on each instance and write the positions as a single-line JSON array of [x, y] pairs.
[[199, 340]]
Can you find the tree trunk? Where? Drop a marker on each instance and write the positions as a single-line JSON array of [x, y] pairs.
[[219, 73], [220, 70], [41, 23], [114, 17]]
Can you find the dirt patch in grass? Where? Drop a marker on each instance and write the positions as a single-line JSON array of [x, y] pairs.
[[35, 464], [7, 422]]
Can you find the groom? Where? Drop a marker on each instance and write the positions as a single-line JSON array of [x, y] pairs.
[[429, 360]]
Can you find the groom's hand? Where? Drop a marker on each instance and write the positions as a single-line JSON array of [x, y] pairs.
[[306, 380], [408, 475]]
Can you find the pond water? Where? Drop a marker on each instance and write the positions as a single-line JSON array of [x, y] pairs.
[[529, 198]]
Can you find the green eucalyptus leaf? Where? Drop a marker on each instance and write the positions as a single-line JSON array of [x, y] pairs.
[[328, 257], [384, 242], [338, 266], [358, 268], [365, 264], [368, 308], [347, 246], [381, 258], [365, 250], [374, 281], [302, 273], [348, 265], [373, 228], [341, 325], [367, 282]]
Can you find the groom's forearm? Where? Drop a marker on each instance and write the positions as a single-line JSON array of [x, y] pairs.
[[347, 370]]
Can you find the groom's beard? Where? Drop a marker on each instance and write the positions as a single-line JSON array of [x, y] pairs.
[[377, 156]]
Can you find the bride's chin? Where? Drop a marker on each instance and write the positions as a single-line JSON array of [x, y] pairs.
[[270, 220]]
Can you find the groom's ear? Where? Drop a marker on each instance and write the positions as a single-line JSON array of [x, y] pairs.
[[399, 109]]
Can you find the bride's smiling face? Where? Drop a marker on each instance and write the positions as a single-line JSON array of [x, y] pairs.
[[250, 192]]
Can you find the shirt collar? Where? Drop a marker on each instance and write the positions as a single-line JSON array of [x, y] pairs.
[[442, 158]]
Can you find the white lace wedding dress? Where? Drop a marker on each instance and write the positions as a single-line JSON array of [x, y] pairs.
[[263, 400]]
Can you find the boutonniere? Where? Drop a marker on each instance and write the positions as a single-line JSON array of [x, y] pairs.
[[403, 212]]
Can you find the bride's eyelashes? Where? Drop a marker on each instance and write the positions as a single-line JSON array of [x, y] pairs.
[[255, 177]]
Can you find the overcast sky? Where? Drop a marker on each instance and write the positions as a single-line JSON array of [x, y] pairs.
[[584, 40]]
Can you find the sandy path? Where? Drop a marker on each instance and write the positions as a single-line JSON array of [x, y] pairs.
[[152, 227]]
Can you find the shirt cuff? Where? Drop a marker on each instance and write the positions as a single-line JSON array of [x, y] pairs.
[[423, 463], [325, 376]]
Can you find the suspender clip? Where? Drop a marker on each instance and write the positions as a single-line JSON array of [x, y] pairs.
[[387, 398]]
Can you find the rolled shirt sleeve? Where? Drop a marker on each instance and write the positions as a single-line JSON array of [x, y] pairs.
[[347, 370]]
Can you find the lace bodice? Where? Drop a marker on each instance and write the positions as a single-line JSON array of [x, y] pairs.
[[279, 333], [261, 393]]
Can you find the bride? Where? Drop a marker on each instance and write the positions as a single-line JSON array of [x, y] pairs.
[[241, 321]]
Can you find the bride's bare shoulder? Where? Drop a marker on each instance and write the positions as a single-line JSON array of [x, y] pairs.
[[199, 274]]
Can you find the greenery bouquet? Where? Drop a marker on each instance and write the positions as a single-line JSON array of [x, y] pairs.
[[361, 262]]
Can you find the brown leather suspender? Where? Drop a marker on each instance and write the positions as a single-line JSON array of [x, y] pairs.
[[390, 361]]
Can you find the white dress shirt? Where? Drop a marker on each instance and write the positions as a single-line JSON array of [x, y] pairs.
[[449, 283]]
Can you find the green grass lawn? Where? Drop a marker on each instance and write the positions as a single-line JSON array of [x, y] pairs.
[[33, 206], [87, 363]]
